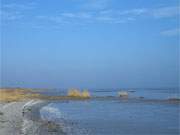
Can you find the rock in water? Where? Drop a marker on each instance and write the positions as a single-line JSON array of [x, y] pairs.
[[123, 94]]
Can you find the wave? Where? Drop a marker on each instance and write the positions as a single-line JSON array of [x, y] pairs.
[[53, 114], [50, 113]]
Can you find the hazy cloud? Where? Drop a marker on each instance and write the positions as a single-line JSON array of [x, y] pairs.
[[56, 19], [81, 15], [14, 11], [171, 32], [164, 12], [11, 16], [95, 4], [136, 12], [90, 11], [113, 16], [19, 6]]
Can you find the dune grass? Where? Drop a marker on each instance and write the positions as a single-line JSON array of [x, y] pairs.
[[85, 94], [77, 93], [74, 93], [10, 95]]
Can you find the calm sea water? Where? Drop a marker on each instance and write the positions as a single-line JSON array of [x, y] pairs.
[[118, 117]]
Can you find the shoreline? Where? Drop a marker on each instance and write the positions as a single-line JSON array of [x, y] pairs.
[[20, 112], [23, 118]]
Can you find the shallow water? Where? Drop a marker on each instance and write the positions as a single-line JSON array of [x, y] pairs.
[[163, 93], [117, 117]]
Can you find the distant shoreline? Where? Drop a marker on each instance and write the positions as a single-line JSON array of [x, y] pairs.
[[14, 95]]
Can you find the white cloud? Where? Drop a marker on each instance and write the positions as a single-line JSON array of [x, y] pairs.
[[110, 15], [14, 6], [55, 19], [14, 11], [81, 15], [136, 12], [71, 15], [105, 18], [165, 12], [96, 4], [90, 11], [171, 32], [88, 17], [11, 16]]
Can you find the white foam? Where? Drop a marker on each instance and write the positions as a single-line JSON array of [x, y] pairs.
[[31, 103], [28, 124], [25, 125], [50, 113]]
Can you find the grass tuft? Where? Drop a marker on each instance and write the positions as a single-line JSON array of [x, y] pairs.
[[85, 94], [77, 93], [11, 95]]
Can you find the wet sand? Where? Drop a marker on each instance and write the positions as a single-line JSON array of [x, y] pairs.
[[23, 118]]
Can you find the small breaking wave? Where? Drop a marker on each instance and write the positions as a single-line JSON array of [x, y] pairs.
[[50, 113]]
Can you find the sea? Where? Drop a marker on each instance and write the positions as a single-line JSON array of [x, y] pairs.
[[144, 112]]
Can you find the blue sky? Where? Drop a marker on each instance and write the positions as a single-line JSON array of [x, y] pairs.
[[89, 43]]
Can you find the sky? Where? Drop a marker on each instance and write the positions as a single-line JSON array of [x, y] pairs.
[[90, 43]]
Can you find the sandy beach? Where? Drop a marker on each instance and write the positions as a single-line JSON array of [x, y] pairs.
[[22, 118]]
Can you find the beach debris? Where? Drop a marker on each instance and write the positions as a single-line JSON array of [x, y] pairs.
[[29, 109], [141, 97], [3, 121], [52, 127], [123, 94], [131, 91], [49, 128], [1, 113]]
